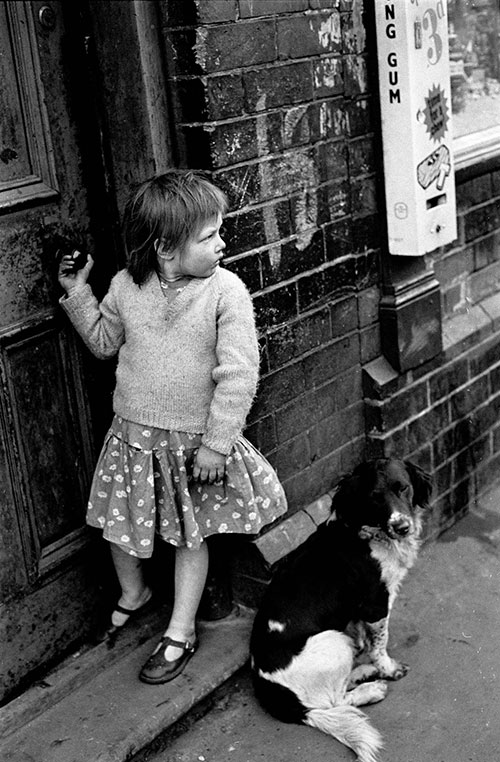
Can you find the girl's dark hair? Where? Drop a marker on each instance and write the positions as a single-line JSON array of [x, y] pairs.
[[171, 207]]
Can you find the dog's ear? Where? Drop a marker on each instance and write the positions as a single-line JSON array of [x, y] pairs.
[[421, 483], [348, 493]]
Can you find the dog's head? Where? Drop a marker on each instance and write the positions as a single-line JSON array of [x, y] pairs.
[[385, 496]]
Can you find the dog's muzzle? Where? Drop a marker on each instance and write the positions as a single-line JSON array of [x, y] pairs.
[[400, 525]]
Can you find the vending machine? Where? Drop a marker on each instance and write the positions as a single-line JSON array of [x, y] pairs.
[[415, 97]]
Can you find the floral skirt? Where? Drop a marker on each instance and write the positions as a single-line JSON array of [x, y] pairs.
[[142, 488]]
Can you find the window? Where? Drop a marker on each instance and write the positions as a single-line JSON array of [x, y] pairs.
[[474, 43]]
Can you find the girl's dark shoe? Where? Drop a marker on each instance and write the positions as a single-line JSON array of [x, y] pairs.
[[158, 670], [128, 614]]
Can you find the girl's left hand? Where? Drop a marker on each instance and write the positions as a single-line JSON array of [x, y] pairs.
[[209, 465]]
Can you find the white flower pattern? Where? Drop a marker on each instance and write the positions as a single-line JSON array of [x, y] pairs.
[[178, 510]]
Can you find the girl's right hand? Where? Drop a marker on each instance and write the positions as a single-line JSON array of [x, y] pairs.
[[71, 279]]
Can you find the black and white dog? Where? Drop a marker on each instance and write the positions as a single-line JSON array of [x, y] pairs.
[[327, 611]]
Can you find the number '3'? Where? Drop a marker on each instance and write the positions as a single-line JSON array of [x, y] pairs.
[[430, 21]]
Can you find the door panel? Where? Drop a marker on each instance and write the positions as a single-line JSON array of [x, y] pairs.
[[47, 590]]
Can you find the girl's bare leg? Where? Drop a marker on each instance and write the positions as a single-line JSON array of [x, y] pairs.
[[135, 593], [191, 568]]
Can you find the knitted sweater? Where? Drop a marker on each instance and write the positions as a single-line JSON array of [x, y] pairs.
[[190, 364]]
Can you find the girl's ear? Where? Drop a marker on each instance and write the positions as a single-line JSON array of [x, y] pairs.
[[161, 250]]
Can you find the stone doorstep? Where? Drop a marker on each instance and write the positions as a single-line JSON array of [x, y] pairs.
[[102, 678], [94, 707]]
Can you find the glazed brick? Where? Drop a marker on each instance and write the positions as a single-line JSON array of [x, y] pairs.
[[332, 360], [487, 250], [485, 356], [343, 315], [338, 239], [276, 390], [278, 86], [368, 305], [337, 395], [361, 156], [332, 161], [484, 283], [465, 401], [481, 221], [276, 306], [334, 201], [212, 11], [248, 269], [309, 35], [240, 184], [253, 8], [366, 234], [370, 343], [293, 457], [296, 127], [331, 433], [293, 260], [233, 142], [411, 402], [353, 34], [313, 482], [454, 266], [443, 383], [328, 76], [428, 426], [225, 96], [262, 434], [231, 46], [355, 76], [473, 192], [359, 117], [296, 338], [364, 203], [243, 231], [328, 119]]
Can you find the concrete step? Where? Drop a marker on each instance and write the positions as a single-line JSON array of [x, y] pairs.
[[94, 709]]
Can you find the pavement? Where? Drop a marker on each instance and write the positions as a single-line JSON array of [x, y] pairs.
[[445, 625]]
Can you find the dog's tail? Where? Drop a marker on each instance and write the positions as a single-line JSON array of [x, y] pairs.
[[349, 726]]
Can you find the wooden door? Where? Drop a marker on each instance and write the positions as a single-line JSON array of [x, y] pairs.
[[49, 183]]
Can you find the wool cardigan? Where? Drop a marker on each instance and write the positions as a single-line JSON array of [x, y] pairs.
[[190, 364]]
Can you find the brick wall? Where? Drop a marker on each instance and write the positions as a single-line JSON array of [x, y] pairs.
[[274, 98], [271, 96]]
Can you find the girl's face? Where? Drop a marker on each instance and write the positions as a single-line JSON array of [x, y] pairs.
[[203, 252]]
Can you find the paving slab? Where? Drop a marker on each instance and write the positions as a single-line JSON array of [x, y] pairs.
[[445, 625]]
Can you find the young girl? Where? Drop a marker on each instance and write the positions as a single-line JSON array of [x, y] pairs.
[[174, 463]]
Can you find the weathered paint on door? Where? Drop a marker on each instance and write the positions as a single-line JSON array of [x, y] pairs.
[[47, 591]]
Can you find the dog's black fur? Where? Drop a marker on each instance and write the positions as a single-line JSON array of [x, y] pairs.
[[332, 602]]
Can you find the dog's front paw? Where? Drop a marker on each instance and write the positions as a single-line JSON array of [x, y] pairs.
[[395, 670]]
